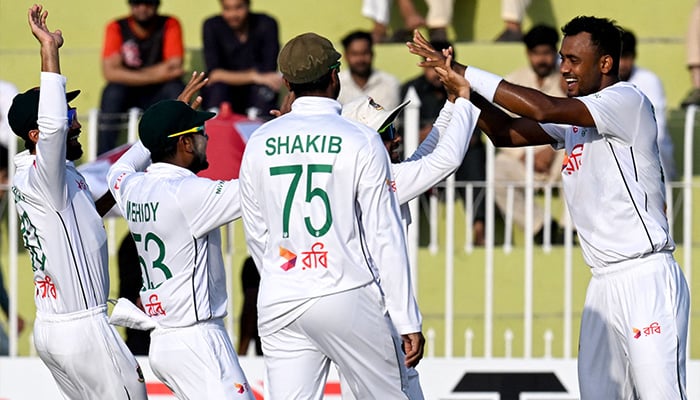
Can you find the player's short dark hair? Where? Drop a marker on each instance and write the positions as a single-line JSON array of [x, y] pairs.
[[629, 44], [164, 153], [539, 35], [357, 35], [443, 44], [318, 85], [605, 35]]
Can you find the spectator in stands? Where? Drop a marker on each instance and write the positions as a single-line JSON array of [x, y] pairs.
[[142, 64], [692, 42], [360, 79], [240, 50], [650, 84], [8, 92], [542, 74], [512, 14], [4, 298], [248, 324], [379, 11], [473, 169]]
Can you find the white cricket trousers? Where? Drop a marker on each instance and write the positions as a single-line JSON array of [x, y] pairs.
[[87, 357], [348, 328], [633, 331], [198, 362]]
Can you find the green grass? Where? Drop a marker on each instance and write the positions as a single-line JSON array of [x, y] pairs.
[[468, 285]]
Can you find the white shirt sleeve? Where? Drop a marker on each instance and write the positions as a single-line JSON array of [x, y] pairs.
[[385, 238], [422, 171], [605, 107], [137, 158], [50, 167], [216, 203], [256, 230]]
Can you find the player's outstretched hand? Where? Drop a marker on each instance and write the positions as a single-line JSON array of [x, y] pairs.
[[455, 84], [37, 22], [286, 105], [421, 47], [413, 347], [197, 81]]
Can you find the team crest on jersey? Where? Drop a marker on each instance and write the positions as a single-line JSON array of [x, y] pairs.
[[290, 257], [572, 161], [82, 185], [374, 105], [154, 307], [653, 329], [583, 131], [315, 258]]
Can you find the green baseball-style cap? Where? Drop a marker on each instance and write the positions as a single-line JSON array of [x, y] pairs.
[[24, 111], [306, 58], [165, 120]]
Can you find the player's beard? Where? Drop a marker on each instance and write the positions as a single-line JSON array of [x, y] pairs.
[[74, 150], [199, 161]]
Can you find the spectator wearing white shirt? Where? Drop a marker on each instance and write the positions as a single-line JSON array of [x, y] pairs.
[[8, 92], [360, 79], [652, 87]]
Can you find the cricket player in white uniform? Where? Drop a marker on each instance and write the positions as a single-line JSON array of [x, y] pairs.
[[66, 239], [174, 217], [635, 320], [439, 155], [320, 214]]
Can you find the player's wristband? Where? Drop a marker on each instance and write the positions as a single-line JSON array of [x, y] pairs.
[[483, 82]]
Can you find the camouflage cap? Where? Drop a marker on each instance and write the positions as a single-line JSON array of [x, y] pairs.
[[306, 58]]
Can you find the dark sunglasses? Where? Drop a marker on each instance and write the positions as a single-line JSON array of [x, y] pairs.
[[388, 133]]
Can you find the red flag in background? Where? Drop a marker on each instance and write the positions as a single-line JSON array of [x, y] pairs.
[[228, 134]]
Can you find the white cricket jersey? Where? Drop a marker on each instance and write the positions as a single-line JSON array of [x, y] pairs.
[[320, 214], [174, 217], [612, 177], [440, 154], [60, 226]]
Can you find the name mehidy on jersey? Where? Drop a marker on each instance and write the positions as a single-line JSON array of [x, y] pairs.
[[141, 212], [303, 144]]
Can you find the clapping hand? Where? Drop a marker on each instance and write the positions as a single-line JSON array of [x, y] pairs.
[[421, 47], [455, 84], [197, 81], [37, 22]]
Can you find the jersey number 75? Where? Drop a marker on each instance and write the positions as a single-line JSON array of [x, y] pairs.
[[297, 171]]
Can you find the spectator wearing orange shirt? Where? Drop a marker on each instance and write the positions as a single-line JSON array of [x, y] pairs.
[[142, 64]]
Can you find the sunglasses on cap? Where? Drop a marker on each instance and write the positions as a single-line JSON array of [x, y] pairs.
[[72, 115], [197, 130], [388, 133]]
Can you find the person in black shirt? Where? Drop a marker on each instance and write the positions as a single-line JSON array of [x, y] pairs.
[[240, 50]]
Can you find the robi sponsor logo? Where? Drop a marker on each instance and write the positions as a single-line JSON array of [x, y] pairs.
[[312, 259], [290, 257], [652, 329], [572, 161], [242, 387]]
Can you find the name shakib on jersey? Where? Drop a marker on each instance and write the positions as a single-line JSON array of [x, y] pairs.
[[141, 212], [303, 144]]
